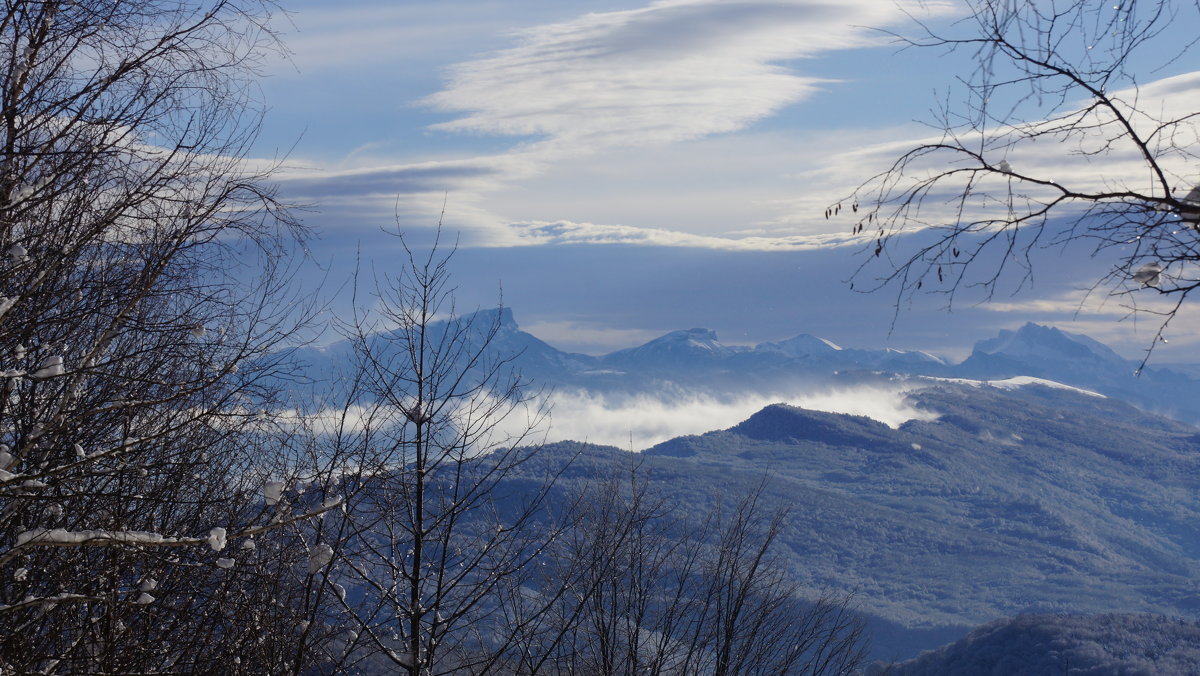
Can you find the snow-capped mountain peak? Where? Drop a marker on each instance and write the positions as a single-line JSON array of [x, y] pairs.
[[676, 346], [801, 347], [1033, 341]]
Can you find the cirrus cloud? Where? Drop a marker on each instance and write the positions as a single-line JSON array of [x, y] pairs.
[[670, 71], [567, 232]]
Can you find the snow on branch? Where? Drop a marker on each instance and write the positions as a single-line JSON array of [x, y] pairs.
[[61, 537], [61, 597]]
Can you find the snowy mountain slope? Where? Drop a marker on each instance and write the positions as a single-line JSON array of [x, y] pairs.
[[677, 348], [1078, 360], [804, 346], [1033, 343], [696, 359], [1012, 501]]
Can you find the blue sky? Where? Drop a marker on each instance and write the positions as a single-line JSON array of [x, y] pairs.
[[621, 169]]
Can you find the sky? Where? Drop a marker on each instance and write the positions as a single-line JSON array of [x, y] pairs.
[[614, 170]]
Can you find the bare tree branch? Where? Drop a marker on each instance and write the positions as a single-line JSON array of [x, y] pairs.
[[1056, 140]]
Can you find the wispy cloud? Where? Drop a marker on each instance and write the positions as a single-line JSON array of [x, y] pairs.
[[604, 85], [565, 232], [643, 118], [671, 71], [1079, 301], [389, 180]]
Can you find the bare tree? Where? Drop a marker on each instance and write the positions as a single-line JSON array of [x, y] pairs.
[[434, 422], [1057, 138], [459, 553], [593, 604], [143, 297], [653, 590]]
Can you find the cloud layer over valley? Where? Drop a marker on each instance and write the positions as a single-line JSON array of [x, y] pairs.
[[638, 422]]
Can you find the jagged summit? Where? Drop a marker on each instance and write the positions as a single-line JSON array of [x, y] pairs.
[[507, 320], [486, 317]]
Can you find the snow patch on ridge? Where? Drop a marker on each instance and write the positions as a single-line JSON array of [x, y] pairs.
[[1015, 382]]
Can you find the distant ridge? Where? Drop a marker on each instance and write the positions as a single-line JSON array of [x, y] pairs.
[[677, 348], [694, 360]]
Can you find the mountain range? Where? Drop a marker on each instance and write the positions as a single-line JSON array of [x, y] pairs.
[[694, 361], [1061, 495]]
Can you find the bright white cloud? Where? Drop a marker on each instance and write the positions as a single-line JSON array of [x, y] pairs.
[[605, 82], [630, 422], [488, 197], [671, 71], [642, 421], [599, 88]]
